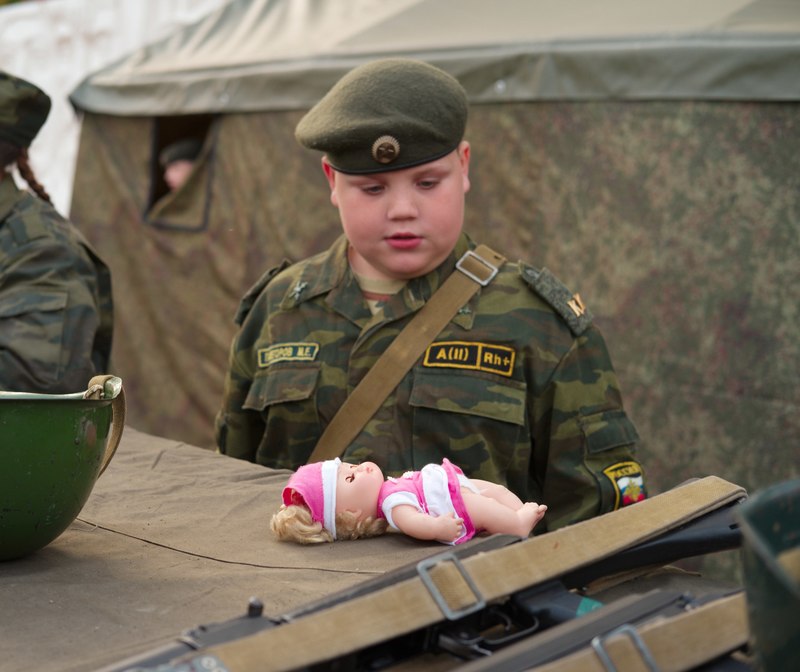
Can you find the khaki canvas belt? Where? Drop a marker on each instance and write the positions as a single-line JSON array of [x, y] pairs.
[[593, 637], [449, 588], [473, 271], [673, 644]]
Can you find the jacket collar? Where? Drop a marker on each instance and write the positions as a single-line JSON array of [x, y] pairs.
[[329, 273]]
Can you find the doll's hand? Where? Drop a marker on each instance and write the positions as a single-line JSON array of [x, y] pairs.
[[422, 526], [448, 528]]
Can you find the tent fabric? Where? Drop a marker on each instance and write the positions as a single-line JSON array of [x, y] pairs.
[[257, 55], [172, 537], [180, 268]]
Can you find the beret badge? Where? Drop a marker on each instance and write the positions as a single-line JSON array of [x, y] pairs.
[[385, 149]]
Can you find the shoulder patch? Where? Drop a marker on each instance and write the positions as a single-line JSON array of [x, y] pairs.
[[568, 305], [246, 304], [627, 480]]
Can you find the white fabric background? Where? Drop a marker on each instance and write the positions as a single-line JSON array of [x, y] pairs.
[[56, 43]]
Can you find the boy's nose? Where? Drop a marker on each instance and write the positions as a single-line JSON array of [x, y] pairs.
[[402, 206]]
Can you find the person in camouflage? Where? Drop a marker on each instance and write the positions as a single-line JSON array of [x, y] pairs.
[[55, 292], [518, 389]]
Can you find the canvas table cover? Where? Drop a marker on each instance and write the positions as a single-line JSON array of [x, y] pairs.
[[173, 536]]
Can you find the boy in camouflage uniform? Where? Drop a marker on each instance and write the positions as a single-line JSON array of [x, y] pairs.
[[55, 292], [518, 389]]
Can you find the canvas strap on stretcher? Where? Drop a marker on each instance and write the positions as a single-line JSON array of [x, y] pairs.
[[475, 270], [448, 588], [680, 641], [674, 644]]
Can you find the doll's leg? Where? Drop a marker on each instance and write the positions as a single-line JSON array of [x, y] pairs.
[[494, 517], [499, 492]]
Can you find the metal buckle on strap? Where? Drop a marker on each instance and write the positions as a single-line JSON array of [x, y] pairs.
[[423, 569], [481, 281], [598, 644]]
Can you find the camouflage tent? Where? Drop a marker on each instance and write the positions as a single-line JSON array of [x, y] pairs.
[[647, 153]]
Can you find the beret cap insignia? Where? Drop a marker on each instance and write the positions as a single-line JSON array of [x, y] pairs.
[[385, 149]]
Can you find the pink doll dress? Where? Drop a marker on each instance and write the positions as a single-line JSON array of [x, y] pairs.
[[435, 490]]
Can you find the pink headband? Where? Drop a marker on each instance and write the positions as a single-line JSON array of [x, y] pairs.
[[314, 486]]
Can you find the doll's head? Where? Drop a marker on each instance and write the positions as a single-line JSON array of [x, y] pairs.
[[330, 500]]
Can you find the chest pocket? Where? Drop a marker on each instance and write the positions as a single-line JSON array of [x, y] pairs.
[[477, 394], [476, 419], [281, 385]]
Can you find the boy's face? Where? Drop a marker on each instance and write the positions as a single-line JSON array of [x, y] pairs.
[[402, 224], [357, 488]]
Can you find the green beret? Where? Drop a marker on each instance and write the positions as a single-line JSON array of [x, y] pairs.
[[23, 110], [182, 150], [387, 115]]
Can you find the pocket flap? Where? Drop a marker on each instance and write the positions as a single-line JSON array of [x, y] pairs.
[[471, 393], [280, 384], [607, 430], [23, 301]]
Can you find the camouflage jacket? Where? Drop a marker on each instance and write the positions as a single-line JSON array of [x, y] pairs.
[[518, 389], [55, 299]]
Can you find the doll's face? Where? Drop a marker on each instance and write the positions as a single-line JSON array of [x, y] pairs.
[[357, 488]]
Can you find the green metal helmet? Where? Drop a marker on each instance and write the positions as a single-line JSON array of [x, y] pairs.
[[53, 447]]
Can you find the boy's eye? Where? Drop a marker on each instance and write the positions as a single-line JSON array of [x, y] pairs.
[[427, 184], [350, 478], [372, 189]]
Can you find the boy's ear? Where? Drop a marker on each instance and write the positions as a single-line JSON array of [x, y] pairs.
[[330, 174], [464, 156]]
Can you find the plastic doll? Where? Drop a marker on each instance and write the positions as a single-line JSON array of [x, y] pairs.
[[330, 500]]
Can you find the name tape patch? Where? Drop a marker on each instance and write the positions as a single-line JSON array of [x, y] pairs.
[[476, 356], [628, 481], [287, 352]]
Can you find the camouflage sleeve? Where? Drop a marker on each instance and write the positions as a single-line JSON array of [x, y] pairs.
[[584, 448], [48, 317], [239, 431]]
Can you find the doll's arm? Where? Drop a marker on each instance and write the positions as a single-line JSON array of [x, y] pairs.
[[414, 523]]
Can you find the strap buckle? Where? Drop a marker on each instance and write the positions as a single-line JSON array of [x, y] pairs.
[[481, 281], [423, 569], [598, 644]]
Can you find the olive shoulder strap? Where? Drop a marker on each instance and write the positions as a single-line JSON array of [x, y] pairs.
[[474, 270]]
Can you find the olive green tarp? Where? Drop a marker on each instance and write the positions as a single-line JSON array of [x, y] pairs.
[[647, 153]]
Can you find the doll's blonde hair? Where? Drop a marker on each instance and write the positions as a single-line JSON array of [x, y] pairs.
[[294, 523]]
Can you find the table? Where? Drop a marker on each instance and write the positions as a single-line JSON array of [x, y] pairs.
[[172, 536]]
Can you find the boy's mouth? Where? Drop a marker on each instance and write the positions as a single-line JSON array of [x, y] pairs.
[[403, 240]]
